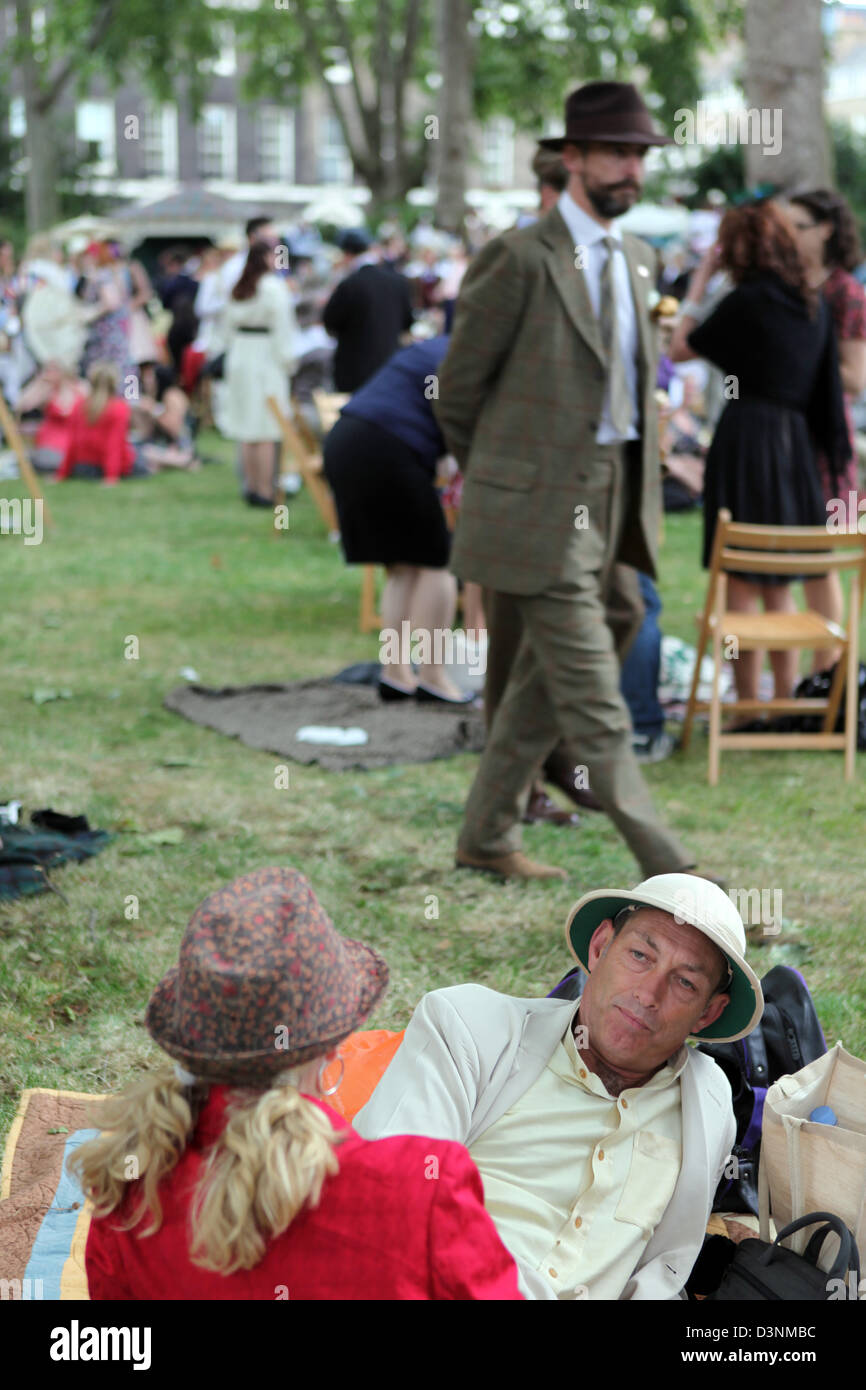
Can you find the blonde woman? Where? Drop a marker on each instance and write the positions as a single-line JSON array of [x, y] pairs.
[[97, 441], [226, 1178]]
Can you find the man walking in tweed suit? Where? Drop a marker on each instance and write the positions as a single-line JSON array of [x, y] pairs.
[[546, 399]]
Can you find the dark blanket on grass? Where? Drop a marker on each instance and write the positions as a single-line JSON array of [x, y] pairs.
[[269, 717], [28, 853]]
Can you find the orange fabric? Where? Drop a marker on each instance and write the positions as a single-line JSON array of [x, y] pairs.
[[365, 1058]]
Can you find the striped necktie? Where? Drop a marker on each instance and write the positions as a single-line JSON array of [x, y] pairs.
[[620, 401]]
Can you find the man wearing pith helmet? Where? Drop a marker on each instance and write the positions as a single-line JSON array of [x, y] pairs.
[[599, 1134]]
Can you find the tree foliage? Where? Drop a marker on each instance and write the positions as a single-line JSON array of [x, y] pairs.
[[167, 43], [367, 55], [532, 52]]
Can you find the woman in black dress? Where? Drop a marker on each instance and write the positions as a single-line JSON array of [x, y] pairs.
[[380, 462], [773, 338]]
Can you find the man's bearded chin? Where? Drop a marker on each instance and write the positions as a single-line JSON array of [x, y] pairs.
[[609, 202]]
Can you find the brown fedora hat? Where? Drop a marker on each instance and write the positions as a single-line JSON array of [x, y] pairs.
[[608, 111], [264, 982]]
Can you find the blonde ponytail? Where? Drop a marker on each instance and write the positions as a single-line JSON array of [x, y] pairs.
[[271, 1159], [103, 378]]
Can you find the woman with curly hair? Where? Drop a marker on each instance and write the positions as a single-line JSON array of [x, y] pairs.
[[773, 338], [829, 245], [227, 1178]]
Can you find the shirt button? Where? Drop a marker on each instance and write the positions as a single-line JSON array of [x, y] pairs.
[[625, 1105], [553, 1274], [600, 1154], [577, 1223], [582, 1074]]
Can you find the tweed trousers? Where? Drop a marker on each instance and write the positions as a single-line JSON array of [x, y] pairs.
[[565, 685], [624, 611]]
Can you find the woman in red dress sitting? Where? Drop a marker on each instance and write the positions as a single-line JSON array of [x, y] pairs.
[[98, 428], [227, 1178]]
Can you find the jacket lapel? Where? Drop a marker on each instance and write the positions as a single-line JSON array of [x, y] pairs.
[[544, 1022], [683, 1221], [570, 281]]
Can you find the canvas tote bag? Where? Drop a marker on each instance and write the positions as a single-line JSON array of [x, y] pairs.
[[807, 1166]]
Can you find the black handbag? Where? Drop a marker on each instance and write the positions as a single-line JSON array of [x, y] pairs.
[[215, 369], [817, 687], [759, 1271]]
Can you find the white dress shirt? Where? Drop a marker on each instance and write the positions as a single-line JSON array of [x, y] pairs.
[[589, 234]]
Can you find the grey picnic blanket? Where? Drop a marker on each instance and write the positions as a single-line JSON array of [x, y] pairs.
[[268, 717]]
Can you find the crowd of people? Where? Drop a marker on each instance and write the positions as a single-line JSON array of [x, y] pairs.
[[216, 329]]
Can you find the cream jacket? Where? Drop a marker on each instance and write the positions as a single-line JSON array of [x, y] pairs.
[[469, 1053]]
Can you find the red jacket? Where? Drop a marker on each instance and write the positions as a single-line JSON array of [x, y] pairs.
[[103, 442], [403, 1219]]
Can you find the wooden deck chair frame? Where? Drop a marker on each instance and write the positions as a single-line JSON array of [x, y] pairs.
[[328, 405], [308, 462], [9, 429], [808, 551]]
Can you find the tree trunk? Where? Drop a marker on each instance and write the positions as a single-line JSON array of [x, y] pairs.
[[784, 80], [455, 111], [41, 198]]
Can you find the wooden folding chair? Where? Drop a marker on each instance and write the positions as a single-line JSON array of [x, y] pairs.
[[9, 428], [799, 550], [328, 405], [299, 447]]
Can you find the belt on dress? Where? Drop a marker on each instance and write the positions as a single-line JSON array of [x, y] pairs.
[[798, 408], [244, 329]]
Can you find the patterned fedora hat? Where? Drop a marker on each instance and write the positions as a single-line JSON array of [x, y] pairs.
[[264, 982]]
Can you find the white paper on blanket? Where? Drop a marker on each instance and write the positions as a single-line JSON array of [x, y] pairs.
[[332, 734]]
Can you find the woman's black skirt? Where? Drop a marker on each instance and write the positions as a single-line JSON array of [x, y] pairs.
[[761, 465], [387, 504]]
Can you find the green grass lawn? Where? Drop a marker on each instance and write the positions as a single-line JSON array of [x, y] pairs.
[[179, 563]]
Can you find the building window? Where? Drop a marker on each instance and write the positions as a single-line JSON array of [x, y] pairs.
[[94, 132], [276, 145], [497, 152], [159, 140], [217, 143], [335, 164]]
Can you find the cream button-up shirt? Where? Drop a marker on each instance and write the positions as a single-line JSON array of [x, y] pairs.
[[589, 234], [576, 1180]]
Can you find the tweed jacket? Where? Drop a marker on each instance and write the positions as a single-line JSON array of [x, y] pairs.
[[520, 397], [470, 1053]]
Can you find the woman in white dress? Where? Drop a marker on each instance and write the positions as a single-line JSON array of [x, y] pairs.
[[260, 332]]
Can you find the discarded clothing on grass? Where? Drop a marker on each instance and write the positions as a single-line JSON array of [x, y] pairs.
[[28, 852], [269, 717]]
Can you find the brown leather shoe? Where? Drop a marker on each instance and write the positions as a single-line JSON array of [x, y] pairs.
[[560, 773], [540, 808], [513, 865]]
